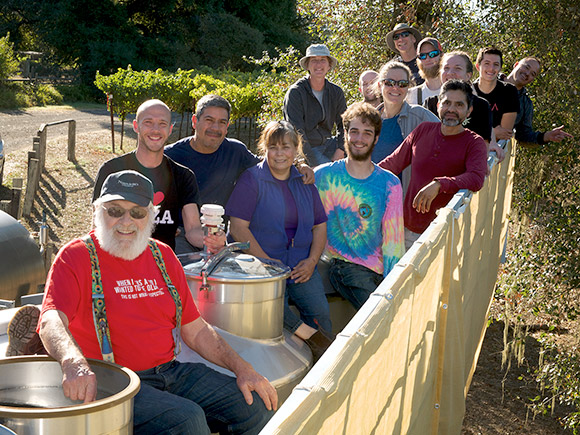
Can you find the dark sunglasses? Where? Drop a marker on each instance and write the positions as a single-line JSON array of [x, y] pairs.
[[400, 83], [431, 54], [117, 212], [401, 35]]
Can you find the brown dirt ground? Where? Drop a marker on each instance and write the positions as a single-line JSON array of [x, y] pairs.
[[497, 401]]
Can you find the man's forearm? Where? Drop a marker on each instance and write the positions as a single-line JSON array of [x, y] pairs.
[[57, 339]]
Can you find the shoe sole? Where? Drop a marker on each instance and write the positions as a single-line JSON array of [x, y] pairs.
[[22, 329]]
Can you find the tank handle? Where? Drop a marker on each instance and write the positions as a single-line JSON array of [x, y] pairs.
[[216, 259]]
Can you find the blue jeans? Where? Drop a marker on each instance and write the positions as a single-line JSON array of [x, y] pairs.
[[187, 398], [354, 282], [310, 299], [322, 153]]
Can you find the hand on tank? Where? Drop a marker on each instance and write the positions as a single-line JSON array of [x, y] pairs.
[[78, 380]]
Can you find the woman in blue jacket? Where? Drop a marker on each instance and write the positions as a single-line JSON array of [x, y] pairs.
[[284, 220]]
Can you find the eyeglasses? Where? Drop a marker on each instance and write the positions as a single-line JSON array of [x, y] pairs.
[[117, 212], [400, 83], [431, 54], [401, 35]]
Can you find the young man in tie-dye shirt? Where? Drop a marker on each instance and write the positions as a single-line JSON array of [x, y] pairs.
[[364, 205]]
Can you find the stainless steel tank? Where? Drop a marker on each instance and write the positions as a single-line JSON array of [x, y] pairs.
[[243, 297], [32, 400], [21, 266]]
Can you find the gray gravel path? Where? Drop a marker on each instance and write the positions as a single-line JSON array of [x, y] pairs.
[[18, 127]]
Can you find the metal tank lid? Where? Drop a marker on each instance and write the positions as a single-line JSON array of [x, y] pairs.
[[232, 266]]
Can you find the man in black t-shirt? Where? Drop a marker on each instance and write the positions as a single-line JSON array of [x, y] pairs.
[[458, 65], [175, 185], [501, 96]]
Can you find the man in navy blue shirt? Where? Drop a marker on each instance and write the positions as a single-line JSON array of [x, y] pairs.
[[216, 161]]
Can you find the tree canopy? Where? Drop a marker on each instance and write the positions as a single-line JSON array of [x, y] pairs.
[[107, 34]]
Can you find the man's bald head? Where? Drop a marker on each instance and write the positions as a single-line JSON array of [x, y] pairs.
[[152, 103]]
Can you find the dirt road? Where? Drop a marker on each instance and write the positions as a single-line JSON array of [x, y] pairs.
[[18, 127]]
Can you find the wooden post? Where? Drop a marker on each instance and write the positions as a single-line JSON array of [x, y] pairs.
[[31, 184], [16, 195], [72, 134], [35, 146], [110, 101], [42, 146]]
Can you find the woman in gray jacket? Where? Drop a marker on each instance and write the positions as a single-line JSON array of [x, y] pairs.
[[399, 117]]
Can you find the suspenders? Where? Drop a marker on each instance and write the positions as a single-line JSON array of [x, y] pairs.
[[100, 312]]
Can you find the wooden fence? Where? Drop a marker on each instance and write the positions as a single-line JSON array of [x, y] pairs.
[[36, 165]]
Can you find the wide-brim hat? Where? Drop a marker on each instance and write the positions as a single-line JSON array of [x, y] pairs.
[[317, 50], [128, 185], [398, 28]]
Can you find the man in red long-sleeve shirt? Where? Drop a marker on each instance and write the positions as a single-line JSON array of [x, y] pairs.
[[444, 157]]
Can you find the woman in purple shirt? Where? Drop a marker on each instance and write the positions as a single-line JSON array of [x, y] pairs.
[[284, 220]]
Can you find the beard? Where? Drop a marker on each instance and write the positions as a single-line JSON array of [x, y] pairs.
[[370, 99], [431, 73], [451, 122], [359, 156], [127, 250]]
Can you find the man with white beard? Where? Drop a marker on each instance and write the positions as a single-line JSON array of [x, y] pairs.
[[149, 311], [444, 157]]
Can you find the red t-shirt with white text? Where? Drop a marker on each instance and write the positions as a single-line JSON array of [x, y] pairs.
[[140, 309]]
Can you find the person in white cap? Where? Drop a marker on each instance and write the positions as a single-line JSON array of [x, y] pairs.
[[314, 105], [403, 41], [429, 55]]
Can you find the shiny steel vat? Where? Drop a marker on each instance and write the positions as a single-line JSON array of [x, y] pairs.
[[243, 297], [32, 401], [21, 266]]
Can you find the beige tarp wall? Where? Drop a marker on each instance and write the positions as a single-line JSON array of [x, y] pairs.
[[405, 361]]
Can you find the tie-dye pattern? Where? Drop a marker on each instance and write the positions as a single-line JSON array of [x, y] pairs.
[[365, 217]]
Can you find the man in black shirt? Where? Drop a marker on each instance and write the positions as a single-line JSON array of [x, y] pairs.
[[501, 96], [175, 185]]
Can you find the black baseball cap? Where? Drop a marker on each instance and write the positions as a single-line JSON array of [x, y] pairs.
[[128, 185]]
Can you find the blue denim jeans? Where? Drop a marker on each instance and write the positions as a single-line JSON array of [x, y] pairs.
[[187, 398], [322, 153], [354, 282], [317, 156], [310, 299]]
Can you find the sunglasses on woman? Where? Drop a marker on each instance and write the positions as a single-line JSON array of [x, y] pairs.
[[401, 35], [431, 54], [399, 83], [117, 212]]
